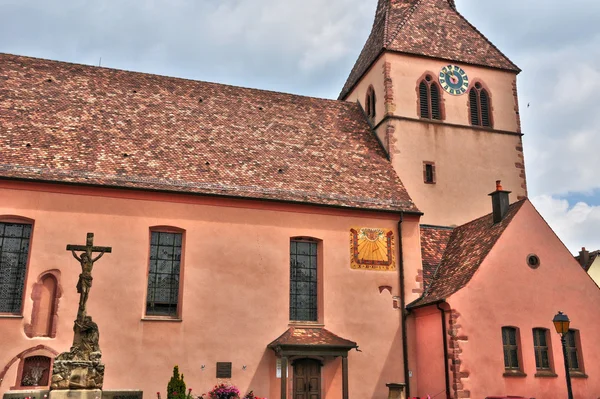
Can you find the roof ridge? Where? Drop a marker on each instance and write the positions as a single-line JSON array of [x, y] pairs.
[[484, 37], [150, 74], [409, 14]]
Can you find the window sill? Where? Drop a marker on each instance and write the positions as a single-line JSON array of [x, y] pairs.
[[159, 318], [11, 316], [545, 374], [578, 374], [516, 373], [308, 324]]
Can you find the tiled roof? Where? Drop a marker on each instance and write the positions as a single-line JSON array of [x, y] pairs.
[[300, 336], [467, 247], [431, 28], [71, 123], [592, 258], [433, 244]]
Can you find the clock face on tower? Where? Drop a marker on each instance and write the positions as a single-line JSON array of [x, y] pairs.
[[454, 80]]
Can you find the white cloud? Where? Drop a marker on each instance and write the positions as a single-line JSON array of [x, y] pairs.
[[576, 225]]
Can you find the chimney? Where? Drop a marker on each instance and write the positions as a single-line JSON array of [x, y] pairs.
[[584, 257], [500, 202]]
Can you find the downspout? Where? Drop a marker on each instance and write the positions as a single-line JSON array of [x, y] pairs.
[[445, 343], [403, 305]]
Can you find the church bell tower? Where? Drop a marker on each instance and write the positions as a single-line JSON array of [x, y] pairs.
[[442, 99]]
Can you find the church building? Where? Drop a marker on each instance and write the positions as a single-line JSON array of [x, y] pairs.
[[375, 245]]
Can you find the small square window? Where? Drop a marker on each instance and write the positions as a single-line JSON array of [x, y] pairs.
[[429, 172]]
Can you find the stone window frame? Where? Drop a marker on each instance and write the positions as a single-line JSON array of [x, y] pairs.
[[35, 311], [178, 314], [320, 302], [430, 83], [39, 350], [370, 103], [513, 371], [478, 86], [426, 179], [20, 220]]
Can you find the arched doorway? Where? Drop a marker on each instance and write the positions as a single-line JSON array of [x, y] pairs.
[[307, 379]]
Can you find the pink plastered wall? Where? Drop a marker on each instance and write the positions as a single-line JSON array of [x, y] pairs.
[[235, 295], [505, 291], [430, 370]]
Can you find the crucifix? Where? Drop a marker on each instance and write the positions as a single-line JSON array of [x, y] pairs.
[[86, 260]]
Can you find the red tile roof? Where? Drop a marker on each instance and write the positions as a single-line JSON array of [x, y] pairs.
[[431, 28], [467, 247], [62, 122], [301, 336], [433, 244]]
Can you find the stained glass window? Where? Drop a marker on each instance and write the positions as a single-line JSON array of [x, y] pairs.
[[163, 278], [14, 249], [303, 281], [540, 346], [511, 350]]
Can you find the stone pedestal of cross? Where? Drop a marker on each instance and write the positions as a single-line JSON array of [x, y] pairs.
[[81, 368]]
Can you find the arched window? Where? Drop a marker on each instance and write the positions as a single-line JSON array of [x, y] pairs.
[[370, 102], [304, 279], [14, 250], [479, 106], [429, 99]]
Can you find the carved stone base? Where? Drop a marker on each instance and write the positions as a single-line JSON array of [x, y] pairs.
[[77, 374], [33, 394], [76, 394]]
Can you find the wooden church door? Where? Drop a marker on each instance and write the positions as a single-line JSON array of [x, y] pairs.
[[307, 379]]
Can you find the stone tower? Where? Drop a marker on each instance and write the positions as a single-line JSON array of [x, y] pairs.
[[442, 100]]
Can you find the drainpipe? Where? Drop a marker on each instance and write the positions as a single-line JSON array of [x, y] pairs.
[[445, 340], [403, 305]]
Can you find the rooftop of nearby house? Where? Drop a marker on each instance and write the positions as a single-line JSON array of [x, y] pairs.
[[430, 28], [587, 258], [69, 123], [461, 255]]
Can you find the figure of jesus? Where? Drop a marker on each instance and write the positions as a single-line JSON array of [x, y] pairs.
[[85, 278]]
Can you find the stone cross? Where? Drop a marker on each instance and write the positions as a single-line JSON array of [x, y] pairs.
[[87, 263]]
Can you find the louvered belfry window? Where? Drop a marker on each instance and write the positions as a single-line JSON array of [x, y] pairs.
[[429, 99], [479, 106], [14, 249], [370, 103], [303, 280], [163, 278]]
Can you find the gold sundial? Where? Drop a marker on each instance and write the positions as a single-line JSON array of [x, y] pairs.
[[372, 249]]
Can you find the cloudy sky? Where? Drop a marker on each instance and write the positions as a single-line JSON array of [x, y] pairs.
[[309, 46]]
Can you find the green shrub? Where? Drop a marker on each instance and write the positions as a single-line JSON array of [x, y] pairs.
[[176, 386]]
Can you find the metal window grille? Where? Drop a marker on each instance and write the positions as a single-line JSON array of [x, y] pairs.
[[36, 371], [572, 354], [540, 346], [163, 278], [14, 249], [511, 350], [303, 281]]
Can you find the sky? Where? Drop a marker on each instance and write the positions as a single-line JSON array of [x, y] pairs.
[[308, 47]]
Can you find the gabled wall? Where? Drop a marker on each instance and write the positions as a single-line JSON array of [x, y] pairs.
[[594, 270], [505, 291]]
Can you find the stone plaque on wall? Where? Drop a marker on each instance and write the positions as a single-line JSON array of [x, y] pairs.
[[223, 369]]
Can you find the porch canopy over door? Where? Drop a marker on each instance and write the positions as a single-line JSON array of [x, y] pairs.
[[309, 341]]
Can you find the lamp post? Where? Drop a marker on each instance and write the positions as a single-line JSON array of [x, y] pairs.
[[561, 323]]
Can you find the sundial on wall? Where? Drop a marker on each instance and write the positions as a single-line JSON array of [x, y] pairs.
[[372, 249], [454, 80]]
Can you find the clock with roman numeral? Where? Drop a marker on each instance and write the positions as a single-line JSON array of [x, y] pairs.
[[454, 80]]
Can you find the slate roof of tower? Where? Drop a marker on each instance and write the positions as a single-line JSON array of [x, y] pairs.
[[69, 123], [301, 336], [431, 28], [433, 244], [466, 249]]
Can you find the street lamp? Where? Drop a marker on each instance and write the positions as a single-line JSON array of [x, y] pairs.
[[561, 323]]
